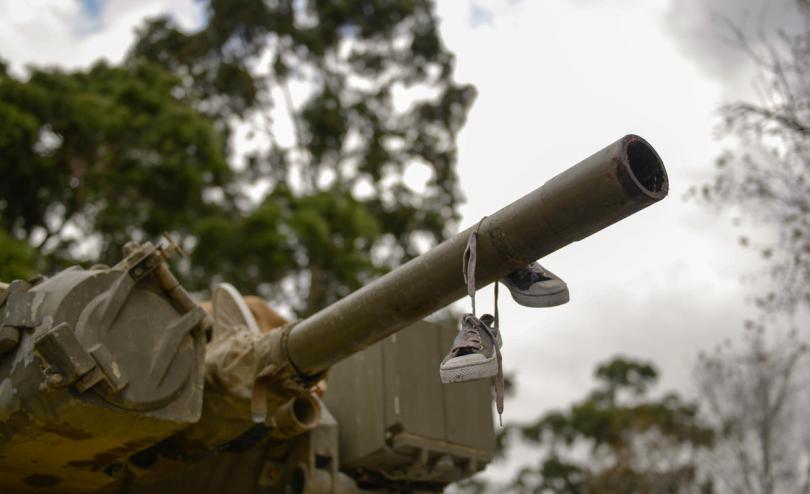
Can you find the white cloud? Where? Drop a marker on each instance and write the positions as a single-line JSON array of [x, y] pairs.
[[557, 81], [703, 31], [58, 32]]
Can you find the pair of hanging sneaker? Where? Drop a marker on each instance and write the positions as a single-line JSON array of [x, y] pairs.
[[474, 352]]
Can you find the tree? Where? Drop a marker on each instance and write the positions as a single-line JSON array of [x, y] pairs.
[[148, 146], [765, 170], [97, 158], [754, 400], [337, 211], [618, 439], [752, 391]]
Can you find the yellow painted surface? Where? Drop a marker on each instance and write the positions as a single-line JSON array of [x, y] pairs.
[[70, 451]]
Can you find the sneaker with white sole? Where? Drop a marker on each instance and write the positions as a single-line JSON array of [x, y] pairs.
[[535, 286], [474, 352]]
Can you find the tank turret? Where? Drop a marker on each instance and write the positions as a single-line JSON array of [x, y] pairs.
[[113, 379]]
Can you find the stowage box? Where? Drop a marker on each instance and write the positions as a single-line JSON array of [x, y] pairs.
[[399, 422]]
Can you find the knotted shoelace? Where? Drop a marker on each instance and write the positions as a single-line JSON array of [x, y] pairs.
[[470, 339], [468, 267]]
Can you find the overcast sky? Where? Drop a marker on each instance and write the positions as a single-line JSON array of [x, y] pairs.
[[557, 80]]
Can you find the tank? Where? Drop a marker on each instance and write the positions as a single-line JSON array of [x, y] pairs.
[[114, 379]]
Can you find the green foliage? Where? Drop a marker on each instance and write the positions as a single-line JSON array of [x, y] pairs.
[[16, 259], [328, 234], [618, 439], [341, 210], [91, 159], [107, 154]]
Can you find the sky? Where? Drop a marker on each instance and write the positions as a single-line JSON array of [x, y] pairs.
[[557, 80]]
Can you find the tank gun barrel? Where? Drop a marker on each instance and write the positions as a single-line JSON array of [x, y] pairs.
[[123, 360], [608, 186]]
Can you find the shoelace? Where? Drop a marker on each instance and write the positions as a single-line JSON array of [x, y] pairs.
[[470, 337], [468, 268]]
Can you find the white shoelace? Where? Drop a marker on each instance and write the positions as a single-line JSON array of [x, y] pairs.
[[468, 268]]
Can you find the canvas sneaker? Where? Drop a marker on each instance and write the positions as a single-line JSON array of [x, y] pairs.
[[474, 354], [535, 286]]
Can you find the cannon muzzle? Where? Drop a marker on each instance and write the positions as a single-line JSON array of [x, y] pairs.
[[608, 186]]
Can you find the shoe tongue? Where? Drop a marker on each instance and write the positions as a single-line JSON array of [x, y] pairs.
[[524, 278], [469, 321]]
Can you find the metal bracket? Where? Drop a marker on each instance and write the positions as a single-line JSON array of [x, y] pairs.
[[106, 370], [66, 357], [69, 363], [145, 265], [16, 286], [14, 315], [19, 310]]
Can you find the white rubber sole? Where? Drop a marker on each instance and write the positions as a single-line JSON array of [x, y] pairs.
[[469, 372], [545, 300]]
